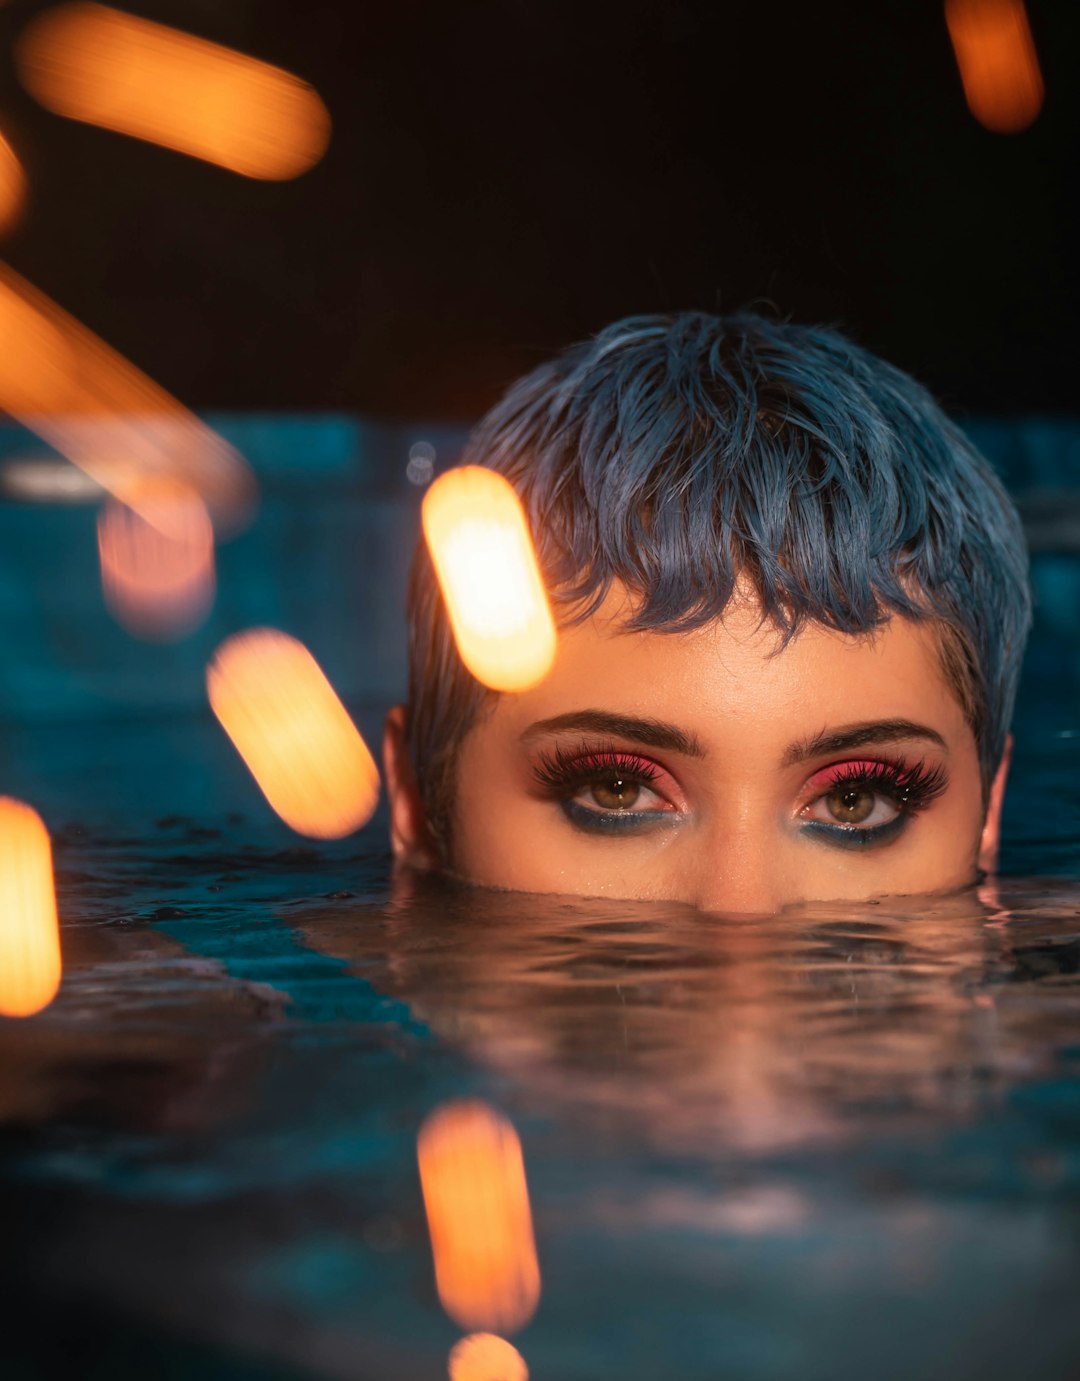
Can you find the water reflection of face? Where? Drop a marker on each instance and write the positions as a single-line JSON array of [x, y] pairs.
[[697, 1030], [710, 768]]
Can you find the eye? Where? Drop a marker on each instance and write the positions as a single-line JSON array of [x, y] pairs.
[[615, 803], [871, 801], [854, 805], [619, 793], [606, 790]]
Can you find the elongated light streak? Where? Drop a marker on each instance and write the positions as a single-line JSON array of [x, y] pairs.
[[30, 966], [478, 538], [108, 68], [477, 1202], [12, 186], [998, 64], [293, 732], [96, 408]]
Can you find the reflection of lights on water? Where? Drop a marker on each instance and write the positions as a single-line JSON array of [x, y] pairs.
[[421, 464], [94, 407], [998, 64], [47, 480], [294, 733], [112, 69], [477, 1202], [486, 1357], [29, 930], [480, 546], [157, 577], [12, 186]]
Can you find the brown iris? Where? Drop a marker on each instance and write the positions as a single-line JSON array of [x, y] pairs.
[[850, 805], [616, 793]]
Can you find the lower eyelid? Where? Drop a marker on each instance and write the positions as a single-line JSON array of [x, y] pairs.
[[614, 821], [852, 837]]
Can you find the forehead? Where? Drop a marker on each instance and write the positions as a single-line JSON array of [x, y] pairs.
[[732, 677]]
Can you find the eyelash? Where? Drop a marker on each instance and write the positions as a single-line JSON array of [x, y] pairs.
[[911, 787], [914, 787], [562, 773]]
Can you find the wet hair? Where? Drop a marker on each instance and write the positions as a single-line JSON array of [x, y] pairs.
[[682, 454]]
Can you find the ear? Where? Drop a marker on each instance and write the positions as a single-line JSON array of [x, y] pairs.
[[409, 836], [991, 835]]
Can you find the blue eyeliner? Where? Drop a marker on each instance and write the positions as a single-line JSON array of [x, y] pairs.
[[563, 776], [852, 836], [616, 821]]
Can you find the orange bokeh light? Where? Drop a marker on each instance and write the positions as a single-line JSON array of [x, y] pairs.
[[477, 1202], [123, 73], [480, 546], [12, 186], [94, 407], [30, 965], [486, 1357], [999, 66], [293, 732], [157, 577]]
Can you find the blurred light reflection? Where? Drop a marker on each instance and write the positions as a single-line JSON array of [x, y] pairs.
[[486, 1357], [101, 412], [157, 577], [421, 465], [477, 1203], [30, 964], [44, 479], [293, 732], [107, 68], [479, 542], [998, 64]]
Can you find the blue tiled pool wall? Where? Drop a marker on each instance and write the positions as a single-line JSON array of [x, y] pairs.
[[326, 559]]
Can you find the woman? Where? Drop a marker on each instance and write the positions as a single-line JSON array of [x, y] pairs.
[[793, 603]]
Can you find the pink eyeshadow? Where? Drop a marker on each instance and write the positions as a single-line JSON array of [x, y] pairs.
[[840, 771]]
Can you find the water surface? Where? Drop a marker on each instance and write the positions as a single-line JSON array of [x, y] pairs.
[[842, 1141]]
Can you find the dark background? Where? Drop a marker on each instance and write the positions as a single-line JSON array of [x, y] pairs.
[[508, 175]]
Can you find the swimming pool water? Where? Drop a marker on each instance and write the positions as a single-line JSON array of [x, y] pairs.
[[844, 1142]]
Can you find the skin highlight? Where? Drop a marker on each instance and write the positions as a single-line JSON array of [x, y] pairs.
[[840, 768]]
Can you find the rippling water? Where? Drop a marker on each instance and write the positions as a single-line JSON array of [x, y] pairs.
[[841, 1142]]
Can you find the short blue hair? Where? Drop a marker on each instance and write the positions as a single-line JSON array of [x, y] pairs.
[[681, 454]]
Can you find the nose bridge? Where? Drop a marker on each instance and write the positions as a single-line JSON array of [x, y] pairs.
[[741, 868]]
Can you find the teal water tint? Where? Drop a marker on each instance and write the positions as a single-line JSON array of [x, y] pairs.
[[844, 1140], [205, 1068], [1039, 460], [1041, 821]]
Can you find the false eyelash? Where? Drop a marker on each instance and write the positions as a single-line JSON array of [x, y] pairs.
[[913, 787], [560, 772]]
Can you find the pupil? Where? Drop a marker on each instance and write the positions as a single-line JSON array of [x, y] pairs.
[[851, 806], [616, 794]]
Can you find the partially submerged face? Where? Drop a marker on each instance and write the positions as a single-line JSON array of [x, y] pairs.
[[706, 767]]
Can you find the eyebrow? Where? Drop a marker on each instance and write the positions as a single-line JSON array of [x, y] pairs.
[[657, 733], [651, 733], [873, 732]]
